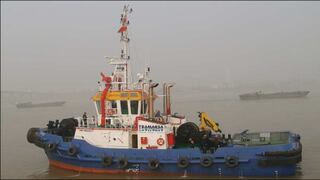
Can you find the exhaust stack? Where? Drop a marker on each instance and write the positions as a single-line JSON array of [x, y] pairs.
[[164, 98], [168, 99], [150, 100]]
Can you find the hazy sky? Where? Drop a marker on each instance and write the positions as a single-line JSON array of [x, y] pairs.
[[60, 46]]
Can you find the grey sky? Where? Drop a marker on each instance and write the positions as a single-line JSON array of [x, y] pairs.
[[60, 46]]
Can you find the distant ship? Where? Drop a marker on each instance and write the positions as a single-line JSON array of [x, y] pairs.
[[276, 95], [44, 104]]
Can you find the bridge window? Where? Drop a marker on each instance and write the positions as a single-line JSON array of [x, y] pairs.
[[114, 104], [134, 107], [124, 107]]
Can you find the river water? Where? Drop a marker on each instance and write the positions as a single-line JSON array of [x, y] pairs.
[[19, 159]]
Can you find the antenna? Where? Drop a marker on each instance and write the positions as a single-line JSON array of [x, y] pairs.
[[122, 74]]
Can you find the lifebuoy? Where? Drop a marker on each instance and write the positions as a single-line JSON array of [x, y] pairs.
[[160, 141], [206, 161], [50, 147], [232, 161], [122, 163], [183, 162], [72, 151], [107, 161], [153, 164]]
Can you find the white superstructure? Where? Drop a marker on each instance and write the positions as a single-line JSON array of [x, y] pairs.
[[125, 113]]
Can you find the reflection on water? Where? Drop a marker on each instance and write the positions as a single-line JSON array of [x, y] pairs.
[[19, 159], [51, 172]]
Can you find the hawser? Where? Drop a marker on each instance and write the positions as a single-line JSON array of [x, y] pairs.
[[130, 137]]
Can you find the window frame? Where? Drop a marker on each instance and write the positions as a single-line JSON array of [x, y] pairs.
[[121, 107], [137, 107]]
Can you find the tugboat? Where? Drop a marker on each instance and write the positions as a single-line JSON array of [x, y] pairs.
[[130, 137]]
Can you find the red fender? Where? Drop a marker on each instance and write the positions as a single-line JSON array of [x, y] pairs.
[[107, 81]]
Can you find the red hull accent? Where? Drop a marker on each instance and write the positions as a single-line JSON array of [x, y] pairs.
[[83, 169], [105, 171]]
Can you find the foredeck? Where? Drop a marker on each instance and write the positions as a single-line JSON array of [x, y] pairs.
[[261, 138]]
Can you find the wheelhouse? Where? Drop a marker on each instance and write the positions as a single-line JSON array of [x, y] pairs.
[[122, 104]]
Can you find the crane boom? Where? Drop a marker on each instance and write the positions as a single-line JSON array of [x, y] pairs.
[[208, 123]]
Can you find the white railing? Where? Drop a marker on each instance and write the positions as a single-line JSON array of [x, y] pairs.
[[93, 123]]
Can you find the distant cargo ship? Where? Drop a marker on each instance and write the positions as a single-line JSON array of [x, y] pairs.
[[44, 104], [260, 95]]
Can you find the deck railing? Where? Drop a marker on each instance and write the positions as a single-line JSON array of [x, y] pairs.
[[93, 123]]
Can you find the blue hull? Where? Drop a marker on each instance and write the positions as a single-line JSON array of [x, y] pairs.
[[251, 160]]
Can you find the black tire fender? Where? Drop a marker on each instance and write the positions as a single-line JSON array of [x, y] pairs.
[[183, 162], [31, 135], [232, 161], [153, 164], [72, 151], [50, 147], [206, 161], [122, 163], [107, 161]]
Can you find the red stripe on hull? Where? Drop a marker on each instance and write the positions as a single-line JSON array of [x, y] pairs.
[[106, 171], [83, 169]]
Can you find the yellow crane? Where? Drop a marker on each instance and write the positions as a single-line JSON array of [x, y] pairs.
[[208, 123]]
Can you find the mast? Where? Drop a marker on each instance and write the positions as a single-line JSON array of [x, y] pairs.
[[121, 74]]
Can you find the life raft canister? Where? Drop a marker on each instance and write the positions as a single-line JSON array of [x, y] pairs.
[[72, 151], [122, 163], [153, 164], [160, 141], [232, 161], [183, 162], [107, 161], [206, 161]]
